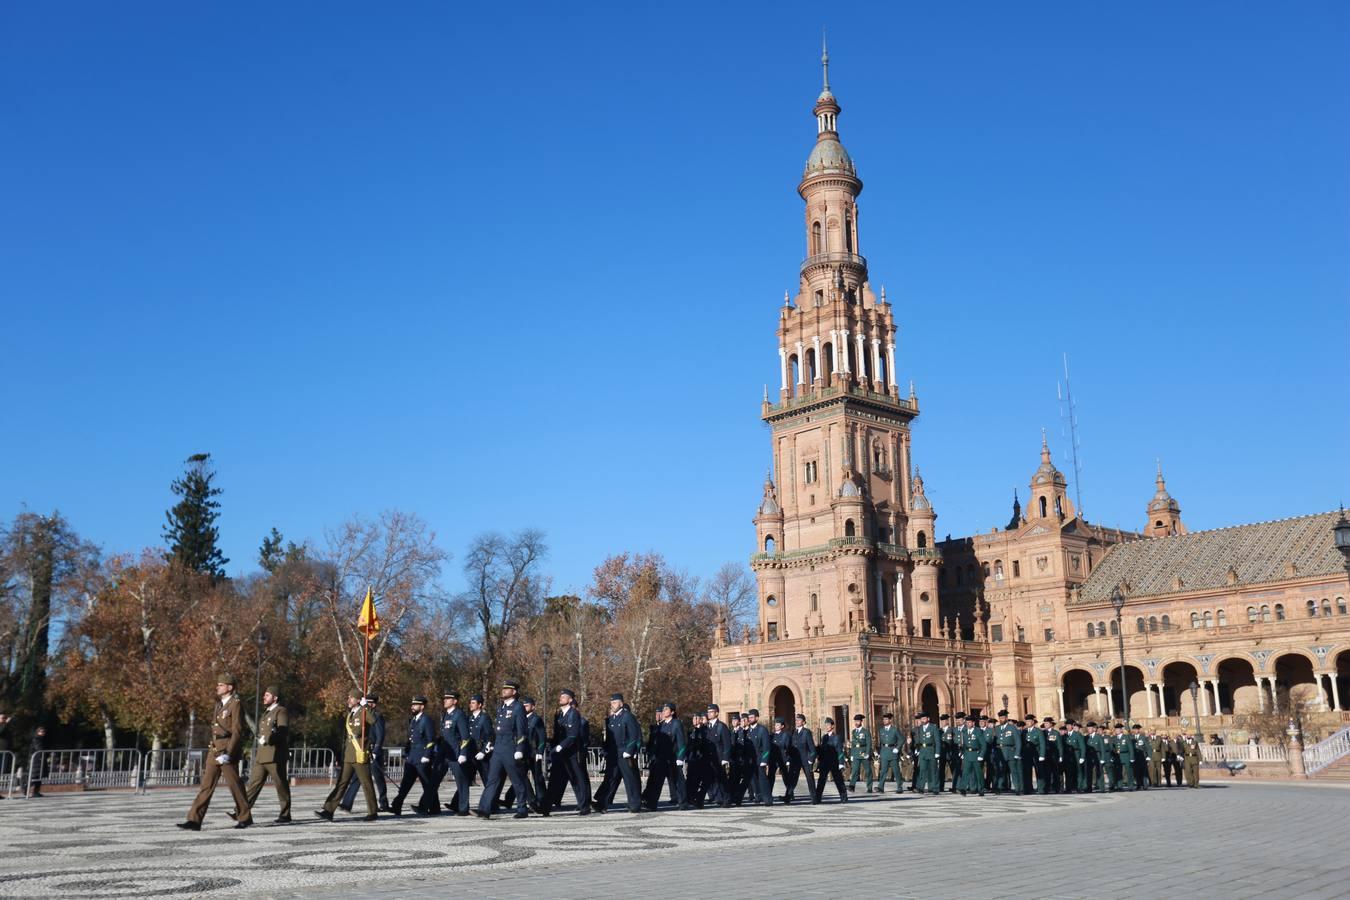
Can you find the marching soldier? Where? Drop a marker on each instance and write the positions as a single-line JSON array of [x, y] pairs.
[[227, 741], [761, 746], [623, 739], [1037, 743], [830, 762], [419, 761], [271, 757], [1009, 742], [508, 753], [1157, 752], [454, 749], [475, 753], [948, 754], [907, 767], [1142, 752], [1075, 752], [719, 756], [859, 754], [536, 749], [740, 775], [669, 750], [801, 760], [781, 749], [1051, 754], [1124, 748], [972, 755], [355, 760], [1172, 761], [1094, 753], [888, 748], [928, 750], [375, 745], [569, 757], [1190, 758]]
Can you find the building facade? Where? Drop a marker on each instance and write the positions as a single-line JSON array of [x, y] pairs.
[[862, 609]]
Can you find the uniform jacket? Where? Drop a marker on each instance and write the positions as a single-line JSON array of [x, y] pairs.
[[782, 746], [422, 738], [972, 742], [719, 740], [1189, 748], [1036, 742], [227, 728], [537, 734], [1007, 739], [760, 743], [888, 742], [829, 751], [274, 735], [510, 732], [803, 746], [860, 744], [456, 740], [671, 745], [480, 729], [1097, 747], [1076, 744], [927, 741], [356, 723], [627, 732], [567, 732]]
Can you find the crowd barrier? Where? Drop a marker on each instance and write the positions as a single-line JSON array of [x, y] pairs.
[[7, 773]]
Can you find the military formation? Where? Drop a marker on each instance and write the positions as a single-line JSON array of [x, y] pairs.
[[526, 767]]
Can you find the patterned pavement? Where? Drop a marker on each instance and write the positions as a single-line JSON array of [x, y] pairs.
[[120, 845]]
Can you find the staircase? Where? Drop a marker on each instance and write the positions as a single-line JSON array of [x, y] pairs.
[[1329, 759]]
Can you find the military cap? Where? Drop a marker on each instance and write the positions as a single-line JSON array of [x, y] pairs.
[[568, 692], [970, 718], [944, 717], [778, 720], [1092, 725], [800, 716], [1003, 713], [887, 716], [984, 718], [960, 713], [270, 689], [420, 699], [618, 697], [714, 707], [671, 706], [353, 695], [1118, 725], [529, 700], [1136, 725], [753, 712], [921, 715], [512, 684], [476, 698], [735, 717], [450, 695], [829, 721], [371, 698], [859, 717], [1070, 722], [225, 678], [1031, 718]]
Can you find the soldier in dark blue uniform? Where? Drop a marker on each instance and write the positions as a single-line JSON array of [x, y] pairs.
[[801, 760], [669, 750], [419, 760], [569, 757], [508, 753], [739, 781], [781, 749], [536, 745], [455, 752], [719, 757], [696, 780], [830, 762], [761, 746], [623, 739], [477, 754]]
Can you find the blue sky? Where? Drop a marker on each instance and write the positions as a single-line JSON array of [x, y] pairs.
[[520, 265]]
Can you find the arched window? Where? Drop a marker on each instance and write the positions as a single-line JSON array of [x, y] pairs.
[[848, 233], [984, 567], [812, 370], [1251, 614], [848, 528], [795, 373], [768, 544], [1223, 618], [1209, 620], [1279, 612], [1091, 630], [1265, 613], [827, 363], [1043, 507], [998, 569], [1312, 608], [1059, 508], [1114, 630], [1340, 605], [1101, 629], [922, 540], [1195, 620], [960, 579], [1139, 624], [1166, 623], [1326, 607], [1017, 569], [1152, 623], [815, 239], [815, 603]]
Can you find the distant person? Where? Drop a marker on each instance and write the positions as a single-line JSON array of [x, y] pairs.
[[35, 747]]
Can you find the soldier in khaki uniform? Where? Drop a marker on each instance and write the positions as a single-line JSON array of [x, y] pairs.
[[1189, 748], [271, 756], [227, 740], [355, 760], [1157, 751]]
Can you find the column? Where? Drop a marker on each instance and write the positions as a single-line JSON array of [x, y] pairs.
[[843, 349], [801, 363], [1335, 693], [1110, 704], [1152, 711], [1214, 686], [1321, 696], [1274, 696], [816, 342], [1061, 704], [782, 367], [890, 365], [862, 365], [1204, 699], [876, 361], [834, 352]]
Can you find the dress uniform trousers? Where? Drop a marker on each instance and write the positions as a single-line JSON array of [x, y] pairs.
[[350, 770], [570, 768], [617, 768], [213, 773], [376, 778], [415, 773], [277, 772]]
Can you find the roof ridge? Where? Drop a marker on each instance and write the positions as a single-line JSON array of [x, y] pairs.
[[1243, 525]]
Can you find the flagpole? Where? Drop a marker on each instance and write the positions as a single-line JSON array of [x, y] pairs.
[[365, 678]]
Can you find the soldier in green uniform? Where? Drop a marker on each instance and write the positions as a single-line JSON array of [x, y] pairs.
[[271, 756], [888, 747], [927, 750], [1124, 748], [1157, 751], [1140, 747], [1189, 748], [859, 754], [1008, 740], [1074, 748], [1036, 747], [355, 760], [1095, 754], [972, 746]]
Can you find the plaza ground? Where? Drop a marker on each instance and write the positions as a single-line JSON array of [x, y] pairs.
[[1227, 839]]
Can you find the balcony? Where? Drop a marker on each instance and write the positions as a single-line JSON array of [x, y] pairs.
[[835, 257]]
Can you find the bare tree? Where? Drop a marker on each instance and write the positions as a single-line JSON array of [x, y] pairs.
[[732, 591], [506, 588]]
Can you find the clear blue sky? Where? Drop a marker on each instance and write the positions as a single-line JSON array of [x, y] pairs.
[[510, 265]]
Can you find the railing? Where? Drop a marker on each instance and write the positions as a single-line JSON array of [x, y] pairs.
[[91, 770], [1265, 753], [1324, 753], [393, 764], [834, 256], [7, 773], [313, 762], [595, 760], [181, 767]]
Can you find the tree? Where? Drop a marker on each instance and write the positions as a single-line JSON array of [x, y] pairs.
[[505, 588], [732, 592], [190, 529]]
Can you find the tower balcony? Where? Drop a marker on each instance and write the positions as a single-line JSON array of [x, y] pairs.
[[835, 258]]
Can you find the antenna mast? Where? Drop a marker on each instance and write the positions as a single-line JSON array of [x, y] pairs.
[[1068, 415]]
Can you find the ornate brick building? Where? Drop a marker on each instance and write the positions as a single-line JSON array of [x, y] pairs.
[[862, 610]]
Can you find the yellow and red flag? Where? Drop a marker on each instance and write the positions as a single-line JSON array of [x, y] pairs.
[[368, 623]]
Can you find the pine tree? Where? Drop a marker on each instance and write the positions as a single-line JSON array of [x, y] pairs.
[[191, 531]]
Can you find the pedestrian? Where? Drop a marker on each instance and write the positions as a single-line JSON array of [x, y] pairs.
[[227, 741], [35, 750], [271, 756], [509, 736], [355, 759], [569, 757], [419, 761]]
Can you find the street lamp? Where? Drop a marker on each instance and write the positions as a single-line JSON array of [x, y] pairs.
[[546, 653], [1118, 601], [261, 639], [1195, 702], [1005, 702], [1341, 532]]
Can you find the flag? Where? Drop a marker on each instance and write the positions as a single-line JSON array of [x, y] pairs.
[[368, 623]]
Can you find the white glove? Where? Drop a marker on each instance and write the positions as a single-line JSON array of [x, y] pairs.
[[764, 766], [979, 759], [558, 748], [425, 760], [222, 759], [680, 763], [628, 756], [463, 759], [726, 762], [841, 767], [262, 740], [1041, 759], [519, 755], [478, 756]]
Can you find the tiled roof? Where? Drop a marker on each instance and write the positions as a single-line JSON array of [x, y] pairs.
[[1256, 554]]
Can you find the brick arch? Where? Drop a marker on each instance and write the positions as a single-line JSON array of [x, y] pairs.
[[946, 698], [1077, 667], [1292, 651]]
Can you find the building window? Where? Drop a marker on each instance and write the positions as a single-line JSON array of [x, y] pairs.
[[1021, 634], [996, 632], [1195, 620], [1265, 613], [815, 604], [768, 544], [1152, 623], [1251, 614], [1017, 569], [1166, 623], [1209, 620], [1340, 606], [811, 471], [984, 567], [1223, 618], [1101, 629], [1049, 634], [998, 569], [1091, 630], [1042, 507], [921, 540], [1326, 607], [815, 238], [1312, 608], [1279, 612], [773, 631], [848, 528], [927, 628]]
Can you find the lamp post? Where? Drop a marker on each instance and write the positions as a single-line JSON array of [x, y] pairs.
[[546, 653], [1118, 601], [261, 639], [1341, 532], [1005, 702], [1195, 702]]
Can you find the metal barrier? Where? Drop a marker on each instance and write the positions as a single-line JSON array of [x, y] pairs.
[[180, 767], [7, 773], [393, 764], [90, 770], [595, 760], [312, 762]]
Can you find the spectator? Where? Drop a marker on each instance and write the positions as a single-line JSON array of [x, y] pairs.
[[37, 745]]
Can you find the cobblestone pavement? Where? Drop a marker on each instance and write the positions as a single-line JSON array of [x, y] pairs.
[[1230, 840]]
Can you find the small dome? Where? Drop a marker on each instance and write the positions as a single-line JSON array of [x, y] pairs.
[[849, 489], [769, 507], [829, 156], [918, 502]]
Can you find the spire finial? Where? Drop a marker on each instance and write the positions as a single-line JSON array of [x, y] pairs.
[[825, 59]]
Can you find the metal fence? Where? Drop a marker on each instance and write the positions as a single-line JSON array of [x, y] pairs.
[[595, 760], [7, 773], [173, 768], [312, 763], [90, 770]]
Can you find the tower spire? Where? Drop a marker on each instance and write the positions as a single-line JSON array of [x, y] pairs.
[[825, 60]]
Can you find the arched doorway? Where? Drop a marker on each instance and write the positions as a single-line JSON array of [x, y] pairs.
[[1176, 688], [782, 705], [1295, 685], [928, 701], [1078, 695], [1134, 687], [1238, 692]]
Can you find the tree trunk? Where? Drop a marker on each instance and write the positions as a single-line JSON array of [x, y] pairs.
[[109, 736]]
